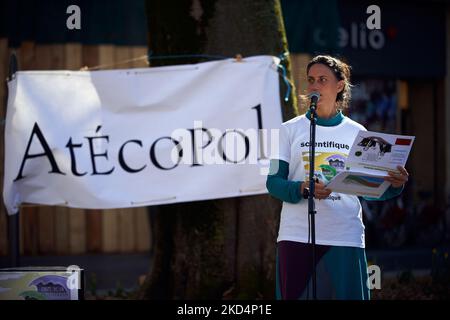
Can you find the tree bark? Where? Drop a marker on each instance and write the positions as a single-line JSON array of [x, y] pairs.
[[218, 249]]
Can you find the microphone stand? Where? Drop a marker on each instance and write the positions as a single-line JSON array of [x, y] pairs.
[[310, 194]]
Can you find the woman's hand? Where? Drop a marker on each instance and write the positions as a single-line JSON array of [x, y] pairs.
[[398, 179], [321, 192]]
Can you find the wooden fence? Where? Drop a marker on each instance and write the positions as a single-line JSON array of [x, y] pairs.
[[59, 230]]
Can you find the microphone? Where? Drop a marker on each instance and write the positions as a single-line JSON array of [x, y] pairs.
[[314, 96]]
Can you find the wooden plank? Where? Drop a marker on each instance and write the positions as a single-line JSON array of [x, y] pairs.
[[126, 230], [121, 55], [110, 226], [136, 52], [4, 69], [50, 57], [22, 235], [447, 113], [87, 56], [110, 231], [38, 221], [142, 229], [77, 231], [46, 222], [28, 217], [43, 57], [64, 56], [4, 55], [57, 56], [43, 216], [441, 142], [3, 232], [94, 230], [422, 121], [73, 56], [30, 230], [62, 220], [71, 230], [106, 56], [27, 57], [90, 55], [31, 239]]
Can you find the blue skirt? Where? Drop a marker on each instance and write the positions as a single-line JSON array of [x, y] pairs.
[[341, 272]]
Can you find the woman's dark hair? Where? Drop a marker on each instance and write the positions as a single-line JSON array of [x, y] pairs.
[[342, 72]]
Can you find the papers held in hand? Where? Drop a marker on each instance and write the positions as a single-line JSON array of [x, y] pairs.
[[371, 157]]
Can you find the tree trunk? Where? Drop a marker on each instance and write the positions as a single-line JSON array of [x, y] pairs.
[[218, 249]]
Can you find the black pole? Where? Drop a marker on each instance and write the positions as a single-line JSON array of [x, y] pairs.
[[13, 220], [311, 204], [13, 238], [13, 66]]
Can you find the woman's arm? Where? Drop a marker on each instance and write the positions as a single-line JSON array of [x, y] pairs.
[[279, 186], [397, 181]]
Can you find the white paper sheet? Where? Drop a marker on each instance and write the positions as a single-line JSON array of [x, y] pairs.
[[371, 157]]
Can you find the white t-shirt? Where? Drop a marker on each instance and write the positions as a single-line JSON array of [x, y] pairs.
[[339, 217]]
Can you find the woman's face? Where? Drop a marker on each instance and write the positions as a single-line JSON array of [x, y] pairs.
[[322, 80]]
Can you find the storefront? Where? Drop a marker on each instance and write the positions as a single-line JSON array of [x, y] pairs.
[[399, 73]]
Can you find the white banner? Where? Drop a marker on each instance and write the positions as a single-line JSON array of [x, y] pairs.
[[138, 137]]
